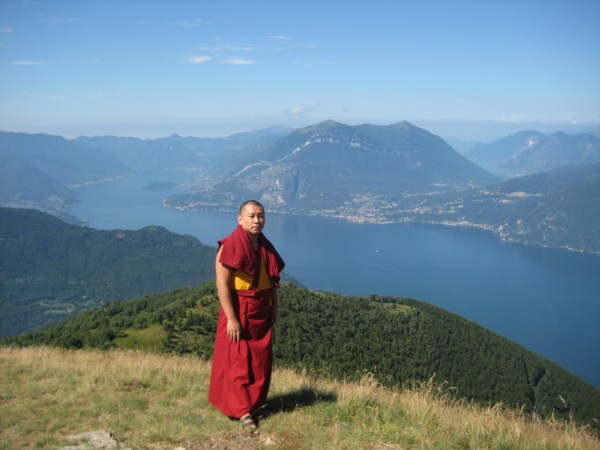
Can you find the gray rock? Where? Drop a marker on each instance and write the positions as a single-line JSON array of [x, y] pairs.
[[92, 440]]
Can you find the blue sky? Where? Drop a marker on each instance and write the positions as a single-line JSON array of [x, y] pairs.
[[468, 69]]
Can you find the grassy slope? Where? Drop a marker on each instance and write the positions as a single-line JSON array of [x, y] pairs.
[[398, 340], [152, 401]]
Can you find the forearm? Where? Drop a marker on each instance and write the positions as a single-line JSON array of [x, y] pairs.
[[224, 274], [226, 301]]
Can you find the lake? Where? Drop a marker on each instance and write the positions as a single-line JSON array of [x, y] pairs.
[[546, 300]]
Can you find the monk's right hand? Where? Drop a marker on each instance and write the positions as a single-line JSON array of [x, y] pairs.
[[234, 330]]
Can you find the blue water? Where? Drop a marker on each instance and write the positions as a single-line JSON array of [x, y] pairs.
[[546, 300]]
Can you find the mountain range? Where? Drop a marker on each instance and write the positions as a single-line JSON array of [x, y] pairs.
[[67, 161], [335, 166], [41, 171], [363, 173], [207, 157], [530, 152]]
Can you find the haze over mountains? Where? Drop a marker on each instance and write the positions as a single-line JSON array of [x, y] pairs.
[[207, 156], [41, 171], [529, 152], [364, 173]]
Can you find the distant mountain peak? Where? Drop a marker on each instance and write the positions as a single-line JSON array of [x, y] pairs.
[[402, 124], [318, 127], [334, 126], [328, 123]]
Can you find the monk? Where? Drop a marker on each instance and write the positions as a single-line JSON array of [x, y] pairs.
[[247, 270]]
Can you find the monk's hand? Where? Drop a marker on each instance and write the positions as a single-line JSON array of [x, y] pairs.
[[234, 330]]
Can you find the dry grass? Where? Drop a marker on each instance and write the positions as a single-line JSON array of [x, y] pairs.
[[159, 402]]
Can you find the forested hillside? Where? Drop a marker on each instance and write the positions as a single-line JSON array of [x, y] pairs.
[[50, 269], [398, 340], [559, 209]]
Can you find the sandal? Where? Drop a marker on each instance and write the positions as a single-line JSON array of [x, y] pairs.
[[248, 423]]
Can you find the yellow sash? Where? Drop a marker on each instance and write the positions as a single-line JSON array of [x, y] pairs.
[[242, 281]]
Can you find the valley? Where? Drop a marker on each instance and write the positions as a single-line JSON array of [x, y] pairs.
[[386, 197]]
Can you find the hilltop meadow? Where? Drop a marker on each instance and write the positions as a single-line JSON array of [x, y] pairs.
[[351, 372], [154, 401]]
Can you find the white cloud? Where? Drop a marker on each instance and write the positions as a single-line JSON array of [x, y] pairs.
[[235, 61], [238, 61], [296, 111], [26, 63], [198, 59], [6, 29], [279, 38], [234, 48], [222, 46]]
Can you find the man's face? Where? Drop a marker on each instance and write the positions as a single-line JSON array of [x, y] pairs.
[[252, 219]]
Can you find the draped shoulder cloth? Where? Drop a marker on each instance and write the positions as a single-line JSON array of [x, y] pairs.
[[238, 254]]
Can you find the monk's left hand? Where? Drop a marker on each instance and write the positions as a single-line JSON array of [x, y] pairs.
[[234, 330]]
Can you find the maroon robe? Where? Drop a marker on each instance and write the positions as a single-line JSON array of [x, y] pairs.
[[241, 371]]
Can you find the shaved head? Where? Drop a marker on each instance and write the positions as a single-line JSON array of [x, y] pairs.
[[251, 202]]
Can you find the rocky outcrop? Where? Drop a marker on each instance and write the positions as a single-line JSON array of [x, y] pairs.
[[93, 440]]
